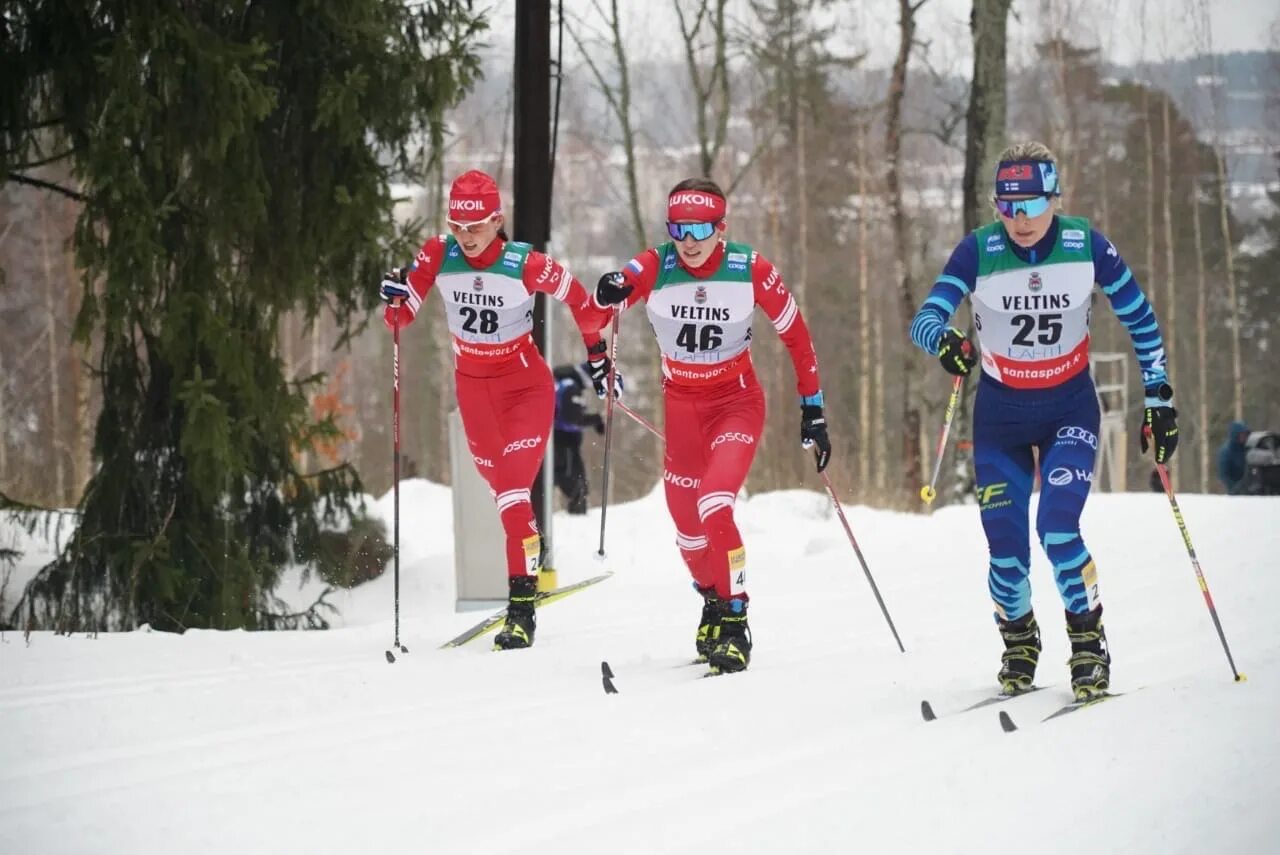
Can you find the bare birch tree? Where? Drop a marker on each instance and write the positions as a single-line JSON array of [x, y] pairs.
[[901, 257], [1202, 343], [618, 97], [985, 119], [710, 81]]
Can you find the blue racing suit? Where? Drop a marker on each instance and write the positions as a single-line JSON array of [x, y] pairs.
[[1032, 308]]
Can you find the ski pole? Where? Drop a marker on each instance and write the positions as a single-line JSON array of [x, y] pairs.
[[1195, 563], [858, 552], [642, 421], [928, 491], [395, 475], [608, 424]]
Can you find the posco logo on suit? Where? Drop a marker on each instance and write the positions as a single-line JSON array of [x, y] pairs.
[[521, 444], [1078, 434], [733, 436]]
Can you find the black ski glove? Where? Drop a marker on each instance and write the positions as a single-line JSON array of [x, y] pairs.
[[955, 352], [600, 377], [1160, 424], [813, 431], [610, 291], [394, 286]]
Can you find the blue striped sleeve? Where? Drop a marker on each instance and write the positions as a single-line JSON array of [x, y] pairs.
[[948, 291], [1132, 308]]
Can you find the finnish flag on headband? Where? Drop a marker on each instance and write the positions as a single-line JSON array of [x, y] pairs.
[[1027, 178]]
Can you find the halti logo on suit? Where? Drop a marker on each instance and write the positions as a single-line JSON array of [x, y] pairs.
[[1060, 477]]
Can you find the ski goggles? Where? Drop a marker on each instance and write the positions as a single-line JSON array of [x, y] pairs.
[[1031, 207], [472, 227], [697, 231]]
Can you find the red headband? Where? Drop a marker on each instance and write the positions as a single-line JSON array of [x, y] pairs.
[[473, 197], [696, 205]]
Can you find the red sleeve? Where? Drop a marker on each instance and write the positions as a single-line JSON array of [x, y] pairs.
[[421, 275], [544, 274], [777, 302], [642, 273]]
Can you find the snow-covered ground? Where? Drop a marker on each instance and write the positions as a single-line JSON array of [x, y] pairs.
[[301, 742]]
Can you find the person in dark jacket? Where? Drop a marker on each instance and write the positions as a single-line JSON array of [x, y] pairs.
[[571, 417], [1231, 459]]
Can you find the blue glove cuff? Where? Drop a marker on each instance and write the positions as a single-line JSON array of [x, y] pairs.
[[812, 400]]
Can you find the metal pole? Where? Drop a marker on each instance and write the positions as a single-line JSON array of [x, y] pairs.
[[929, 491], [858, 552], [608, 424], [1195, 564], [395, 476]]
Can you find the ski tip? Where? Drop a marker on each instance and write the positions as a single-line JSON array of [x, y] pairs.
[[1006, 723], [606, 678], [926, 710], [391, 657]]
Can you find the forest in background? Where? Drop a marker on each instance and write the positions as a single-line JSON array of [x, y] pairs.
[[1173, 159]]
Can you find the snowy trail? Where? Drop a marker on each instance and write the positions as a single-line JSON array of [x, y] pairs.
[[312, 743]]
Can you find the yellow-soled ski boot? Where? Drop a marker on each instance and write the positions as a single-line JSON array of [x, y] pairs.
[[520, 623], [1021, 654], [708, 623], [732, 649], [1090, 660]]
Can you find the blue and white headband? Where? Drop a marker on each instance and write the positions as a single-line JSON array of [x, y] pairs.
[[1027, 178]]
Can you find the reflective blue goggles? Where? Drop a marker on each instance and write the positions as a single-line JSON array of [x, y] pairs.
[[697, 231], [1031, 207]]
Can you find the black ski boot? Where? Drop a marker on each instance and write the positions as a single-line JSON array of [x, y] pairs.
[[517, 629], [1021, 654], [1090, 660], [709, 623], [732, 649]]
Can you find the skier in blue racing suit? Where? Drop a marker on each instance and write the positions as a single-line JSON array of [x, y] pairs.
[[1030, 277]]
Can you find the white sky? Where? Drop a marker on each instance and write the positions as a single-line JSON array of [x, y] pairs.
[[1113, 25]]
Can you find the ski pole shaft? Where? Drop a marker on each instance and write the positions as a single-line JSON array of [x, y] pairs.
[[641, 420], [858, 552], [929, 492], [1195, 564], [395, 465], [608, 424]]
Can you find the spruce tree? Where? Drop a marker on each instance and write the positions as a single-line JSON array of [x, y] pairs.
[[235, 161]]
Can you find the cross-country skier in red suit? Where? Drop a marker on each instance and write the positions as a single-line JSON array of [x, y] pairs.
[[505, 393], [700, 293]]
